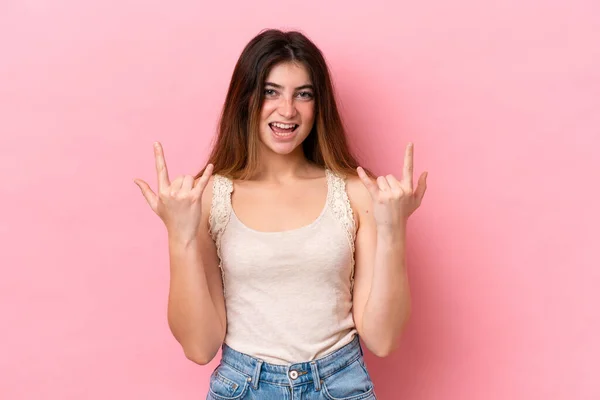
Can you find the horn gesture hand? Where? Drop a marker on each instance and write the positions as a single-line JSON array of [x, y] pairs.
[[395, 200], [177, 203]]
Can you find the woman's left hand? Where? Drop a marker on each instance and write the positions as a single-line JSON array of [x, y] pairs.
[[395, 200]]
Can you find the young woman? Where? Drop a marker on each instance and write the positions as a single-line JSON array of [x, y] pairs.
[[283, 251]]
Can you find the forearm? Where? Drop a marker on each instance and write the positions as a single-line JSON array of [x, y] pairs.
[[388, 306], [192, 315]]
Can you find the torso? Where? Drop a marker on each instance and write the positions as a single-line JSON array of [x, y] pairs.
[[287, 263]]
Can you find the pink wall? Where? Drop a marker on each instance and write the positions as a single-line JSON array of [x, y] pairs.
[[501, 100]]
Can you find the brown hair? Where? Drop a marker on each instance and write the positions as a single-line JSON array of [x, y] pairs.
[[235, 152]]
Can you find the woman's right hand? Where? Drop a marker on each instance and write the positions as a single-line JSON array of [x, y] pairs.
[[178, 204]]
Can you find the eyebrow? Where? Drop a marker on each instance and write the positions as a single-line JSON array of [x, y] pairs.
[[281, 87]]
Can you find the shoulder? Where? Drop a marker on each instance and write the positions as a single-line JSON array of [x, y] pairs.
[[207, 195], [359, 197], [208, 192], [357, 192], [217, 184]]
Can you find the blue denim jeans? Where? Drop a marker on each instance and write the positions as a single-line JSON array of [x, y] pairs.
[[341, 375]]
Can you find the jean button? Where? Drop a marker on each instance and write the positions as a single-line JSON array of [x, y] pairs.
[[293, 374]]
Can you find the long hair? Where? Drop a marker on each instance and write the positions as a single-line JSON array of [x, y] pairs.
[[235, 152]]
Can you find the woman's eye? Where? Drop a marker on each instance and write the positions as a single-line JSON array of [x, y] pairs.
[[269, 92], [305, 95]]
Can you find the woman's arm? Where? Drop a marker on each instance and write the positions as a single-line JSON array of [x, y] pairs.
[[381, 288], [196, 308]]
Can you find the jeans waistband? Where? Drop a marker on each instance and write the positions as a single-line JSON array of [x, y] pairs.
[[292, 374]]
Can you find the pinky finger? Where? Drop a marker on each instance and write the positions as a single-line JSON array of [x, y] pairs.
[[203, 180], [366, 180]]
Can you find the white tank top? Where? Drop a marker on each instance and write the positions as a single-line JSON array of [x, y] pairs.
[[288, 295]]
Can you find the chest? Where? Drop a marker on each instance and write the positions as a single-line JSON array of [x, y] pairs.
[[306, 256], [278, 208]]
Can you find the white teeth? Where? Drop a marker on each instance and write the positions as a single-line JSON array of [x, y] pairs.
[[283, 134], [283, 126]]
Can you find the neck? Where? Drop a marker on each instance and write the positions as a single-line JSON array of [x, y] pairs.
[[280, 167]]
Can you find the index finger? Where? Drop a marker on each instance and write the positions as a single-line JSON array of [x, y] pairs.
[[161, 167], [407, 175]]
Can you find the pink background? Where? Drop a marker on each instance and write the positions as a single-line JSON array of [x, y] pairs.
[[501, 99]]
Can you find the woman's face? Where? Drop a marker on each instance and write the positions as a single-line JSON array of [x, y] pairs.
[[288, 110]]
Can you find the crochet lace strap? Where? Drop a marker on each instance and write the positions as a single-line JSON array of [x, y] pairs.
[[340, 205], [220, 209]]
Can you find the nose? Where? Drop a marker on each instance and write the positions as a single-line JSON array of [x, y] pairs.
[[287, 108]]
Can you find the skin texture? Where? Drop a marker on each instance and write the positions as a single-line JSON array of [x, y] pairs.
[[289, 98]]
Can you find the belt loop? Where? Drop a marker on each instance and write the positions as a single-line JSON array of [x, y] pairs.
[[256, 376], [315, 374]]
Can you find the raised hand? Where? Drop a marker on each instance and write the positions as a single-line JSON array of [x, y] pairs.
[[178, 204], [395, 200]]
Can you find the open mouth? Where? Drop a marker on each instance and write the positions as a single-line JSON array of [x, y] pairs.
[[283, 130]]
